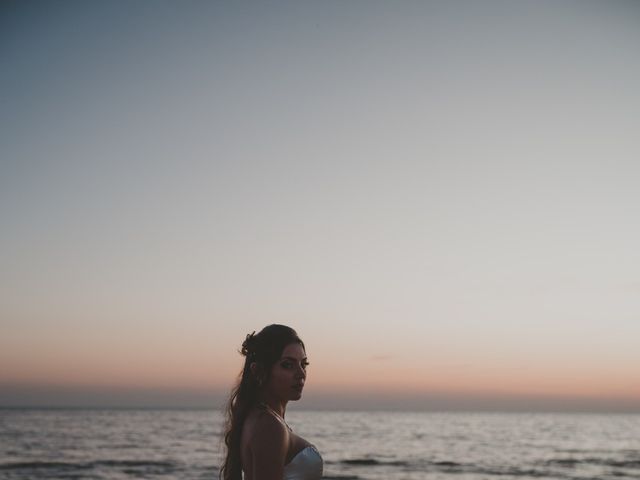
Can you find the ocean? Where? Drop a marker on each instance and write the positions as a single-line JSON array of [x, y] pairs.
[[186, 445]]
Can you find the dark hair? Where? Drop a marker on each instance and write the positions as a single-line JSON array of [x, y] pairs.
[[265, 349]]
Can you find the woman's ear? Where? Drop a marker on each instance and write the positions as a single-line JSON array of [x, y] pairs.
[[257, 373]]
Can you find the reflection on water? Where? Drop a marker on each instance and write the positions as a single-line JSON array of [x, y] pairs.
[[184, 444]]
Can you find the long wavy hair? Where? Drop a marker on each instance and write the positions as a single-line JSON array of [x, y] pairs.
[[265, 349]]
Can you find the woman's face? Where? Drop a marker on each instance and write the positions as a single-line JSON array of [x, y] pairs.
[[288, 374]]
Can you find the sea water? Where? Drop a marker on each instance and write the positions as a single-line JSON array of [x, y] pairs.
[[186, 444]]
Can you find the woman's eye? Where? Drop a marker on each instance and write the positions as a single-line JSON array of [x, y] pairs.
[[289, 365]]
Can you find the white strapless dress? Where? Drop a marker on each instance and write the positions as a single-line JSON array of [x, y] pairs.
[[306, 465]]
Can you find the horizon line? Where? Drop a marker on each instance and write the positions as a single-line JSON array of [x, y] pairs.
[[219, 409]]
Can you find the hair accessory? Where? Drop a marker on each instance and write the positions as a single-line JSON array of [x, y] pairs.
[[248, 346]]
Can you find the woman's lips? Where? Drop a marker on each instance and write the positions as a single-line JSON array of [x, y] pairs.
[[298, 387]]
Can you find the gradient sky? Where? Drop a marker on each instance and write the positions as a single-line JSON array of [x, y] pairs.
[[442, 198]]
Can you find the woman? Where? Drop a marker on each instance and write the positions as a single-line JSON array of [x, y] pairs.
[[259, 442]]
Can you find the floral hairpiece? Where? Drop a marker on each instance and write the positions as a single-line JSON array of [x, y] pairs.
[[248, 346]]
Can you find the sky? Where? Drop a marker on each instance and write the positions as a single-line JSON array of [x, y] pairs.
[[440, 197]]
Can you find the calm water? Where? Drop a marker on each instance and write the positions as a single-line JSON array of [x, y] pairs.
[[178, 444]]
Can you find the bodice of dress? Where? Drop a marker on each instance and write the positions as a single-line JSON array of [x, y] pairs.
[[306, 465]]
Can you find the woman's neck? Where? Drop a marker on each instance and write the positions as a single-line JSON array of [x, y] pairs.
[[277, 406]]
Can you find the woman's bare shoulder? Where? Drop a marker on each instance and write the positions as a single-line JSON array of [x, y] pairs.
[[266, 445], [268, 428], [263, 429]]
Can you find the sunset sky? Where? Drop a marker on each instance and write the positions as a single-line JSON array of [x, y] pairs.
[[442, 198]]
